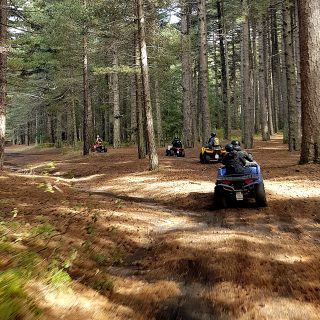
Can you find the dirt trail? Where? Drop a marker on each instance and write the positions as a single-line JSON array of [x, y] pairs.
[[171, 254]]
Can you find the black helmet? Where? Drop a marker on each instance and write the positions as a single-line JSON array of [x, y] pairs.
[[213, 134], [236, 143], [229, 147]]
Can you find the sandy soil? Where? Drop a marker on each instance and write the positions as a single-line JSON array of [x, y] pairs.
[[158, 238]]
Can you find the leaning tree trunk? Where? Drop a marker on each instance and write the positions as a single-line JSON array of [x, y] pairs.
[[153, 156], [203, 71], [247, 106], [186, 74], [310, 75], [3, 82], [224, 69], [87, 111]]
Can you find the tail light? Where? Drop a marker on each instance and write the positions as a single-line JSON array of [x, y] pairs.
[[248, 181], [226, 182]]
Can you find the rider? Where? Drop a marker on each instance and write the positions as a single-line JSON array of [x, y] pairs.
[[98, 140], [233, 161], [237, 147], [213, 140], [176, 143]]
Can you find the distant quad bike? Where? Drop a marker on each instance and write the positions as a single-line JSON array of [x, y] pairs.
[[215, 153], [175, 151], [98, 148], [234, 188]]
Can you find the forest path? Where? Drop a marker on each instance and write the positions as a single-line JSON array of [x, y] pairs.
[[174, 255]]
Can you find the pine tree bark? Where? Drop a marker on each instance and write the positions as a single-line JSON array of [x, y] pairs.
[[133, 115], [3, 78], [290, 73], [224, 70], [116, 101], [262, 80], [255, 76], [158, 112], [203, 71], [298, 72], [275, 63], [153, 156], [58, 143], [247, 107], [310, 75], [141, 143], [186, 62], [87, 110]]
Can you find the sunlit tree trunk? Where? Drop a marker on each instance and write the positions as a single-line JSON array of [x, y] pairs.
[[186, 74], [224, 69], [153, 156], [3, 82], [247, 106], [262, 80], [310, 74], [141, 144], [203, 71]]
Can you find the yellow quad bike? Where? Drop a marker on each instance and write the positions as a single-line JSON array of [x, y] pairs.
[[215, 153]]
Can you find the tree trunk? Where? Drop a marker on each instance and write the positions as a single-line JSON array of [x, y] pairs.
[[116, 101], [290, 73], [186, 62], [298, 68], [87, 111], [224, 69], [275, 63], [153, 156], [158, 112], [247, 107], [58, 139], [310, 75], [3, 74], [133, 114], [203, 71], [262, 80], [255, 75], [139, 103]]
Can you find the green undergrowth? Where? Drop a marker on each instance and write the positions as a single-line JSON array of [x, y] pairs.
[[20, 265]]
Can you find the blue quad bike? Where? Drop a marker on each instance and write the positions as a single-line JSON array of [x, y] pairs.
[[234, 188]]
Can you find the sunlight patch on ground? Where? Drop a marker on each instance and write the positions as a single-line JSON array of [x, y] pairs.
[[139, 187], [296, 189], [4, 178], [286, 309], [86, 303]]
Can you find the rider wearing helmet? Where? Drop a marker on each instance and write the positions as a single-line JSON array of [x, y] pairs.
[[233, 160], [98, 140], [237, 147], [176, 143], [213, 140]]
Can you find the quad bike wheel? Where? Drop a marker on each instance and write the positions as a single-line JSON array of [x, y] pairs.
[[220, 199], [206, 158], [260, 195], [201, 158], [171, 153], [183, 154]]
